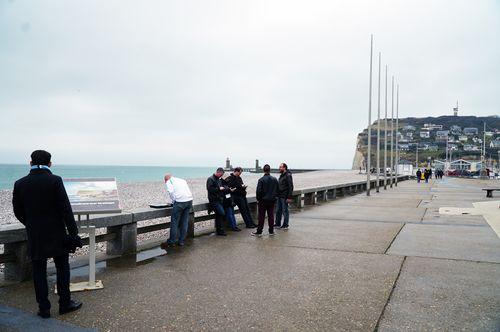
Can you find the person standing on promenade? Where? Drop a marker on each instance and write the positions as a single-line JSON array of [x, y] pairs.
[[239, 196], [267, 189], [426, 175], [216, 194], [419, 175], [228, 204], [285, 194], [182, 200], [41, 204]]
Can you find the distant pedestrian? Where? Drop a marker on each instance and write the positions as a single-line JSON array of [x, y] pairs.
[[240, 196], [41, 204], [426, 175], [419, 175], [285, 195], [228, 204], [267, 189], [216, 195], [182, 200]]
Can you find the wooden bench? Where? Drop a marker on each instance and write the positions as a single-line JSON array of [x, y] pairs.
[[489, 191]]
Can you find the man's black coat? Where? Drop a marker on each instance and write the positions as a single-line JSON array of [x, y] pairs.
[[42, 205]]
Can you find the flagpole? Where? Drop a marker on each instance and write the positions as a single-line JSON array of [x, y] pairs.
[[392, 132], [397, 129], [385, 133], [368, 163], [378, 125]]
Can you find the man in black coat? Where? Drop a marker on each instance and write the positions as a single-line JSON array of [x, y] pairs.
[[285, 194], [239, 196], [216, 193], [267, 188], [41, 204]]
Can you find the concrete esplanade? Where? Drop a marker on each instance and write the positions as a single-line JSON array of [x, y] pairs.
[[417, 257]]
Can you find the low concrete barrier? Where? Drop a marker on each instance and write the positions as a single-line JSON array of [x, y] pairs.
[[122, 230]]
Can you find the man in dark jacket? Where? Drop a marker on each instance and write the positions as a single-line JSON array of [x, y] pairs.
[[240, 196], [285, 194], [216, 192], [41, 204], [267, 188]]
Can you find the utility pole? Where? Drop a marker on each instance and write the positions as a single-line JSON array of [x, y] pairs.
[[385, 133], [378, 125], [392, 133], [397, 129], [368, 163]]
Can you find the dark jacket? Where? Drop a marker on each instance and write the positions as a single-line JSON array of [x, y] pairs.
[[40, 202], [236, 182], [213, 188], [267, 188], [285, 189], [227, 197]]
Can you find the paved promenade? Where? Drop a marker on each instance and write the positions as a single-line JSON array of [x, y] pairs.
[[388, 262]]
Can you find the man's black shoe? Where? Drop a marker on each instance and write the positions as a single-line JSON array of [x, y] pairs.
[[221, 234], [236, 229], [44, 313], [72, 306], [257, 234]]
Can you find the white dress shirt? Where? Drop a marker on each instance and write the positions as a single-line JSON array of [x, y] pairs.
[[178, 190]]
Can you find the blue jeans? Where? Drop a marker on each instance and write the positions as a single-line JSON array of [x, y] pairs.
[[231, 219], [282, 210], [179, 221], [219, 216]]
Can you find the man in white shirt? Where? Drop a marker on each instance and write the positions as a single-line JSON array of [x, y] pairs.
[[182, 200]]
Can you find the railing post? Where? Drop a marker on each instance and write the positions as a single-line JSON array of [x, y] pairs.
[[125, 241], [310, 198], [298, 201], [253, 210], [334, 193], [190, 232], [20, 269]]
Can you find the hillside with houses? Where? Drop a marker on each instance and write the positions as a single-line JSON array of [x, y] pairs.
[[435, 140]]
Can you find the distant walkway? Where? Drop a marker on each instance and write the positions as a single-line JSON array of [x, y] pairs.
[[387, 262]]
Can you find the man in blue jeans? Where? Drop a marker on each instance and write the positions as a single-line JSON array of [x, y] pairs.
[[182, 200], [285, 194], [216, 193]]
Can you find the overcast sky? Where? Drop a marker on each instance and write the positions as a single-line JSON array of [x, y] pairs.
[[187, 83]]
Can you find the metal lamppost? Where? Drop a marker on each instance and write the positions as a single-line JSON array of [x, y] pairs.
[[368, 162]]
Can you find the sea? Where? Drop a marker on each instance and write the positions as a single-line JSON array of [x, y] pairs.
[[9, 173]]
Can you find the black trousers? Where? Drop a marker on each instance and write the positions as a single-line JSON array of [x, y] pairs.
[[40, 281], [242, 203]]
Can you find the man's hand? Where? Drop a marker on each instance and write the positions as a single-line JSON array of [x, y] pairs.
[[222, 188], [289, 200], [232, 189]]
